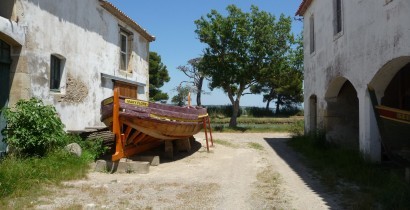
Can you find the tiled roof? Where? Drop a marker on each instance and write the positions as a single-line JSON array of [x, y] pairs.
[[303, 7], [126, 19]]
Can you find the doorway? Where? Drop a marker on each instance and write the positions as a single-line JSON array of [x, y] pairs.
[[4, 87]]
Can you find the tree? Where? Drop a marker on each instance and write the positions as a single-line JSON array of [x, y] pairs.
[[193, 71], [158, 75], [182, 95], [240, 48], [283, 82]]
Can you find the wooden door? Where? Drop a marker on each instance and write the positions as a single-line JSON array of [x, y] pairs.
[[4, 86], [126, 89]]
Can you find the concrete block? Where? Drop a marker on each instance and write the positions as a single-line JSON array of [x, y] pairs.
[[123, 166], [153, 160], [183, 145], [102, 166], [169, 150], [137, 167]]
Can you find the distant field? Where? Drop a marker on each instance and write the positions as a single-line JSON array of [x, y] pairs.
[[246, 124], [259, 120]]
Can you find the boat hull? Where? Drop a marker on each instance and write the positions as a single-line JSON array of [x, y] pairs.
[[141, 125], [396, 130]]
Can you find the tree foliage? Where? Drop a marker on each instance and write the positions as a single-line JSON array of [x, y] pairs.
[[283, 80], [240, 49], [182, 97], [194, 71], [158, 75]]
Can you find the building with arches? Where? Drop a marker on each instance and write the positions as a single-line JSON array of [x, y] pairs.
[[70, 54], [350, 45]]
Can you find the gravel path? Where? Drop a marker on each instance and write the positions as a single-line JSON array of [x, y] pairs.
[[237, 174]]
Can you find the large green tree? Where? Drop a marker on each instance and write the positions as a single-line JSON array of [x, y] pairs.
[[283, 80], [240, 48], [158, 75]]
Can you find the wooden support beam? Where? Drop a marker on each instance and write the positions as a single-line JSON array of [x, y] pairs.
[[133, 136], [127, 131], [138, 138], [132, 150], [119, 149]]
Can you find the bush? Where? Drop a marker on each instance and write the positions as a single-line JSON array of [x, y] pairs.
[[259, 112], [94, 147], [221, 111], [33, 128], [297, 128]]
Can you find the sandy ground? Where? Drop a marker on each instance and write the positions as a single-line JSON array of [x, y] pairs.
[[236, 174]]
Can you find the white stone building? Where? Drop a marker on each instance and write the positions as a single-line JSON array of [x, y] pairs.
[[350, 44], [70, 53]]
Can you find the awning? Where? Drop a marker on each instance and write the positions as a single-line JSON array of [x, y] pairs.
[[115, 78]]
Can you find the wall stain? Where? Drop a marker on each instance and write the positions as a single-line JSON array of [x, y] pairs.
[[76, 91]]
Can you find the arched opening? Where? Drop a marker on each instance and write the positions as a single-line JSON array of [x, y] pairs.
[[312, 113], [392, 89], [342, 117], [397, 93]]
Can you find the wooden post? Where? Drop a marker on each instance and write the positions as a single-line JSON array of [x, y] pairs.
[[189, 99], [210, 130], [119, 148], [206, 134]]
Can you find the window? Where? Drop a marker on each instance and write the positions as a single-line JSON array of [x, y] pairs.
[[55, 73], [125, 49], [312, 34], [338, 17]]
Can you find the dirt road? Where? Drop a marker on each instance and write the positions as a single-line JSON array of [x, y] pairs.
[[242, 171]]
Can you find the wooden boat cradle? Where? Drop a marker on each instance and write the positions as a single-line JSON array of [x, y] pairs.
[[131, 140]]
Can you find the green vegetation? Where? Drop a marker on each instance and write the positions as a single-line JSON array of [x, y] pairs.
[[249, 124], [32, 128], [225, 143], [37, 159], [22, 177], [364, 185], [158, 75], [242, 49], [254, 145], [225, 111]]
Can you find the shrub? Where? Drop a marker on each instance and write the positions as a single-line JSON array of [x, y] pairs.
[[94, 147], [259, 112], [297, 128], [32, 128], [221, 111]]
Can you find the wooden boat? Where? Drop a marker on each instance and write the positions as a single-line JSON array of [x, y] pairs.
[[394, 127], [142, 125]]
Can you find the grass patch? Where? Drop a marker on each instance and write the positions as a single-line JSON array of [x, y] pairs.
[[364, 185], [25, 178], [225, 143], [256, 146]]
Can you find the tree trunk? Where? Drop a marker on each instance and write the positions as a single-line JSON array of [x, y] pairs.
[[198, 95], [267, 104], [278, 102], [235, 111]]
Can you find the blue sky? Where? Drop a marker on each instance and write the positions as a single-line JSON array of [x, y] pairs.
[[172, 23]]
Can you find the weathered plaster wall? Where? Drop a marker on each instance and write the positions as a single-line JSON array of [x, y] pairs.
[[87, 37], [375, 41]]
